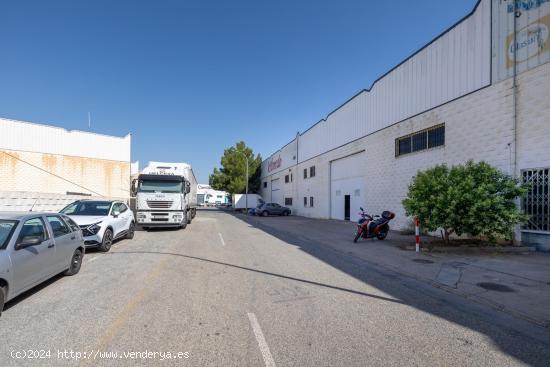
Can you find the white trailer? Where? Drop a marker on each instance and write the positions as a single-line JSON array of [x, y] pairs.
[[240, 201], [166, 195]]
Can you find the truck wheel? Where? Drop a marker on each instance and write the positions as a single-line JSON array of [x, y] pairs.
[[194, 211], [189, 216], [184, 222]]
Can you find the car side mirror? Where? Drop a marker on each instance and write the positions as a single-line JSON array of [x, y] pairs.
[[27, 242], [116, 213]]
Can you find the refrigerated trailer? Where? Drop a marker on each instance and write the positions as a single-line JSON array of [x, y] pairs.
[[166, 195]]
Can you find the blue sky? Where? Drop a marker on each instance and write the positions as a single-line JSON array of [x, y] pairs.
[[189, 78]]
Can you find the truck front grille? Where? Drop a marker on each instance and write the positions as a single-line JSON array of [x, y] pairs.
[[159, 204]]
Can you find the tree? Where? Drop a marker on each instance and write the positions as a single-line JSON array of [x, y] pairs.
[[231, 176], [474, 198]]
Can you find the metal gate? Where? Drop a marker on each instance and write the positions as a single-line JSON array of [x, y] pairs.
[[536, 203]]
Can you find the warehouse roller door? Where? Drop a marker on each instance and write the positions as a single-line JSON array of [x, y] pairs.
[[347, 186]]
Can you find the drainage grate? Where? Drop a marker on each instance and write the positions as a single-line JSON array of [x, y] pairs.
[[495, 287], [423, 261]]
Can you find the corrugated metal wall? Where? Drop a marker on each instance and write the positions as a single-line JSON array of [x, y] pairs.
[[456, 63], [29, 137]]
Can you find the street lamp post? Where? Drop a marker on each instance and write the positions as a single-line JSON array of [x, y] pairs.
[[246, 194]]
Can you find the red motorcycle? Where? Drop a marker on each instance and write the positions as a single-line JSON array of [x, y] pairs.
[[370, 227]]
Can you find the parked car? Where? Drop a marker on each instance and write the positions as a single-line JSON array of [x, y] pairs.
[[102, 221], [35, 247], [272, 209]]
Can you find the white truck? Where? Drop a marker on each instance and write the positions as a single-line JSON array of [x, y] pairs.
[[166, 195], [240, 201]]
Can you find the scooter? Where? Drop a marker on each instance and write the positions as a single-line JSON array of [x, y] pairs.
[[373, 226]]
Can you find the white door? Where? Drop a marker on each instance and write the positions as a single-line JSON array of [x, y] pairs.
[[347, 186], [276, 191]]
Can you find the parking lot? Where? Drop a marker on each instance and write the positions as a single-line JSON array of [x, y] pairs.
[[224, 292]]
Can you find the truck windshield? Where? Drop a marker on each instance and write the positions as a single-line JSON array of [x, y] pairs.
[[6, 230], [160, 186]]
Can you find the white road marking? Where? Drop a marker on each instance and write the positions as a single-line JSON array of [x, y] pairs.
[[221, 239], [264, 348], [93, 258]]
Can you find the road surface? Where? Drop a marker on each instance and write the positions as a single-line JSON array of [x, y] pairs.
[[225, 293]]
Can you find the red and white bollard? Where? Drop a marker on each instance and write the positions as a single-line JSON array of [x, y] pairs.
[[417, 233]]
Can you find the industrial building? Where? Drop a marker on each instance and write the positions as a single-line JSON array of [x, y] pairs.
[[479, 91], [45, 167]]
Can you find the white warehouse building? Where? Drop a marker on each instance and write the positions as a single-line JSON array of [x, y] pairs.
[[474, 92]]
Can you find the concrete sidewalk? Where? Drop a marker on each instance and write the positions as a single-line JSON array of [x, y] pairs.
[[517, 284]]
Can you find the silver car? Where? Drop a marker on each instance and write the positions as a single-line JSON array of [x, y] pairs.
[[35, 247]]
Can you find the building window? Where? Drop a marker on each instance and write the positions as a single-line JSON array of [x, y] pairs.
[[311, 201], [305, 201], [265, 185], [421, 140], [536, 203], [305, 172], [287, 178], [288, 201], [312, 171]]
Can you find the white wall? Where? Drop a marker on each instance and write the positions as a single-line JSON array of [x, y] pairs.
[[288, 156], [456, 63], [31, 137]]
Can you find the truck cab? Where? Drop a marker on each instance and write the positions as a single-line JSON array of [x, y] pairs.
[[164, 196]]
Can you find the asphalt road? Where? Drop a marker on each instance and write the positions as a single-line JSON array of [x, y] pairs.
[[225, 293]]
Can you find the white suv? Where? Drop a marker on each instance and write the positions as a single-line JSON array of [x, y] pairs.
[[102, 221]]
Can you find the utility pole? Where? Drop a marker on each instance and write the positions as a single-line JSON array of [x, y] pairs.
[[246, 193]]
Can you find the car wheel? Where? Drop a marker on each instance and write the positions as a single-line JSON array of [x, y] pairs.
[[286, 213], [131, 231], [2, 298], [107, 241], [265, 213], [76, 263]]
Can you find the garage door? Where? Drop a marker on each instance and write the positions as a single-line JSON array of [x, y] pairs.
[[276, 191], [347, 186]]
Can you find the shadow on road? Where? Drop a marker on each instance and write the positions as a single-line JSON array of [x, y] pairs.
[[260, 272], [522, 340]]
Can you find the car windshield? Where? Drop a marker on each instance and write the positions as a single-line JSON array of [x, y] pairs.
[[6, 230], [160, 186], [95, 208]]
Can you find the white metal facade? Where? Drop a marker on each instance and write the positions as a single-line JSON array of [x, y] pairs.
[[46, 159], [31, 137]]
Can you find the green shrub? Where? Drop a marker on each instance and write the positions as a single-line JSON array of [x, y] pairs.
[[474, 198]]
